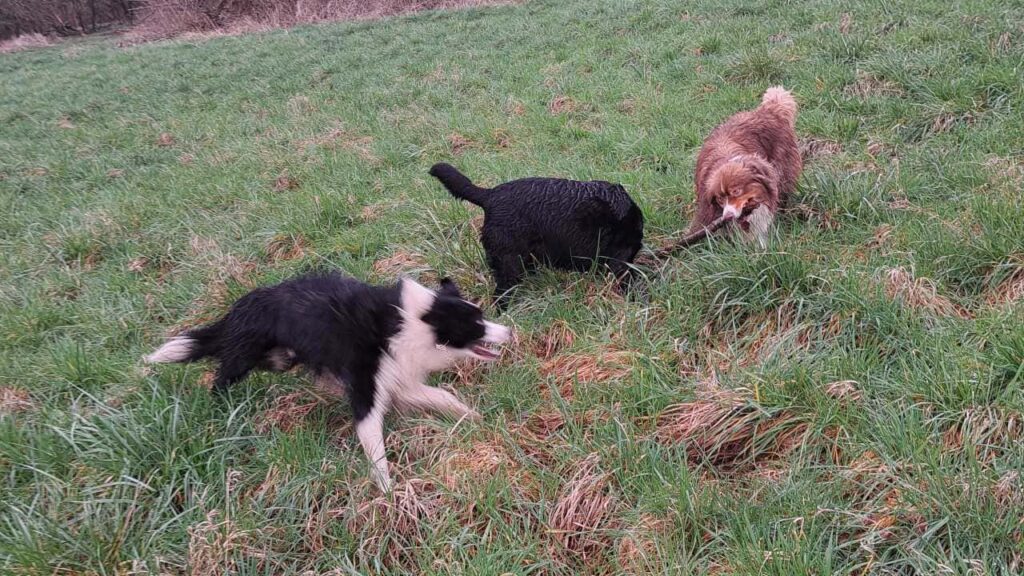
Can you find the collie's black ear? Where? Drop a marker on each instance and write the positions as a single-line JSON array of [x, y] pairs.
[[449, 288]]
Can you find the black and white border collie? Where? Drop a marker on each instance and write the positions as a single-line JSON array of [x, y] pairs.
[[377, 344]]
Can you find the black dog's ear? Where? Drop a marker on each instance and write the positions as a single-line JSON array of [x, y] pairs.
[[449, 288]]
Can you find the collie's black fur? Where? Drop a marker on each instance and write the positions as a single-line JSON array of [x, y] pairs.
[[567, 224], [378, 344]]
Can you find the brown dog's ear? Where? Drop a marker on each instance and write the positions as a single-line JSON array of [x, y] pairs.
[[764, 174]]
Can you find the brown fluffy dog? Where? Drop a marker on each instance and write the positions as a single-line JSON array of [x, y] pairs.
[[748, 166]]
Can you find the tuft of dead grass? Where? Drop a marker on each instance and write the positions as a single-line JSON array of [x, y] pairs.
[[284, 182], [730, 432], [988, 431], [458, 143], [536, 436], [556, 338], [1008, 291], [868, 85], [583, 516], [393, 525], [284, 247], [562, 105], [599, 366], [880, 238], [815, 148], [844, 390], [920, 293], [467, 469], [215, 544], [24, 42], [287, 413], [339, 138], [138, 265], [399, 263], [13, 400], [638, 551]]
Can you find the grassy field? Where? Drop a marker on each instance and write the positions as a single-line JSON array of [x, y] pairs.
[[848, 401]]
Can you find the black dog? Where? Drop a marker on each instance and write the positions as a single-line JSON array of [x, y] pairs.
[[378, 344], [567, 224]]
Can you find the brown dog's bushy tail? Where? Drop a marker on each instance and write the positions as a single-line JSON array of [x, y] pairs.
[[783, 100], [459, 185]]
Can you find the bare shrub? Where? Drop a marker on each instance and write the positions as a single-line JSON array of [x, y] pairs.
[[163, 18], [24, 42]]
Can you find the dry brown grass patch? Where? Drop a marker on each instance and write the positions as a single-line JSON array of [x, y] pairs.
[[339, 138], [583, 516], [1008, 291], [284, 182], [867, 85], [556, 338], [420, 443], [399, 263], [603, 365], [24, 42], [880, 238], [393, 526], [283, 247], [13, 400], [638, 551], [165, 140], [467, 469], [536, 436], [458, 143], [138, 265], [844, 390], [814, 148], [988, 431], [562, 105], [729, 432], [287, 413], [920, 293], [215, 545]]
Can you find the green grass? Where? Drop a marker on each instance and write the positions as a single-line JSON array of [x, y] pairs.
[[110, 237]]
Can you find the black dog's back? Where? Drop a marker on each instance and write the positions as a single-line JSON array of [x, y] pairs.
[[567, 224]]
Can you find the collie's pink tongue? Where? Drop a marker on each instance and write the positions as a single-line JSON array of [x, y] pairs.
[[484, 352]]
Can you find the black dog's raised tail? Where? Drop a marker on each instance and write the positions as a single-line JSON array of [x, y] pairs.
[[459, 186], [194, 345]]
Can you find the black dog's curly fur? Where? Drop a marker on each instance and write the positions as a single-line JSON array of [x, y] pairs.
[[566, 224]]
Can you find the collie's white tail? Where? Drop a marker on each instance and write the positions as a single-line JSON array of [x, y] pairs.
[[779, 96], [177, 349]]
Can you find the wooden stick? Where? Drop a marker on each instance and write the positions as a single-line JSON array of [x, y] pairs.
[[693, 237]]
